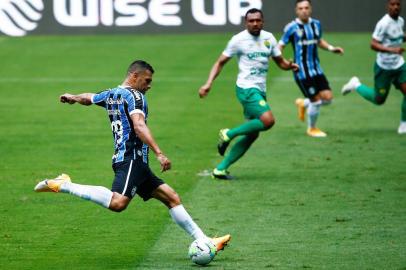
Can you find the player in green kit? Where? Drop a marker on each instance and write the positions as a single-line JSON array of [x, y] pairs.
[[254, 48], [390, 67]]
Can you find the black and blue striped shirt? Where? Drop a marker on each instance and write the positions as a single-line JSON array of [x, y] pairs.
[[305, 39], [120, 103]]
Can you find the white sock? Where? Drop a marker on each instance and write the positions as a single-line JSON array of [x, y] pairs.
[[313, 112], [306, 102], [185, 221], [97, 194]]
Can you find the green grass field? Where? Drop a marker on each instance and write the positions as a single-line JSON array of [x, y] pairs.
[[298, 202]]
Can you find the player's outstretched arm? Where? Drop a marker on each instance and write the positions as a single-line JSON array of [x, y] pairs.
[[379, 47], [143, 132], [285, 64], [214, 72], [326, 46], [84, 99]]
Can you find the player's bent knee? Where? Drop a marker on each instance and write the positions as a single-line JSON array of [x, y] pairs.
[[267, 120], [118, 209], [324, 95], [118, 203], [268, 123], [174, 200]]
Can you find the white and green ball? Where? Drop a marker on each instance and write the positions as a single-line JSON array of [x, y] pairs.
[[202, 251]]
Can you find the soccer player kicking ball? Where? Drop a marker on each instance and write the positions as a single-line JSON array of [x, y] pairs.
[[390, 67], [127, 110], [305, 33], [254, 48]]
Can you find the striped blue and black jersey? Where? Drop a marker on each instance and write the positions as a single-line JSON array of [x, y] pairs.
[[120, 103], [305, 39]]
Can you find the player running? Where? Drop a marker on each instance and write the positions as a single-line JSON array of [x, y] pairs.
[[127, 109], [254, 48], [390, 67], [306, 35]]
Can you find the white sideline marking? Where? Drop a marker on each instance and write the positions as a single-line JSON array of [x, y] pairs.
[[204, 173]]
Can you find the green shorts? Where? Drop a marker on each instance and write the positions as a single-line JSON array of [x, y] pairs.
[[253, 101], [384, 78]]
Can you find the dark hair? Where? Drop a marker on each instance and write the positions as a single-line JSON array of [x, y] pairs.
[[139, 66], [300, 1], [254, 10]]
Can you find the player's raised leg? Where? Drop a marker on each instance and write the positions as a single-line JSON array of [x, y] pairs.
[[377, 95], [52, 185], [62, 183], [236, 152], [302, 104], [354, 84], [256, 110], [264, 121], [226, 135], [181, 217], [351, 86]]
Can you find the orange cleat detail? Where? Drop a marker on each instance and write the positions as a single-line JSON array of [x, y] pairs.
[[316, 133], [221, 242], [52, 185], [301, 110]]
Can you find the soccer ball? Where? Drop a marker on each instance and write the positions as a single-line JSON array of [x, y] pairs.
[[202, 251]]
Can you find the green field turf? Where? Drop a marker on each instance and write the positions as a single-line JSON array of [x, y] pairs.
[[298, 202]]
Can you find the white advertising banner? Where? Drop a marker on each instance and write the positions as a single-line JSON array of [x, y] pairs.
[[23, 17], [55, 17]]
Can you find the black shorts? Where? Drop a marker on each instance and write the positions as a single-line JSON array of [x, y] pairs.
[[310, 87], [135, 177]]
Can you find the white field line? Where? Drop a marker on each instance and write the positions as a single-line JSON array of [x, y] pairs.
[[158, 79]]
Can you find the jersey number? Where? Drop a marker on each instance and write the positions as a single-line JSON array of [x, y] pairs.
[[117, 128]]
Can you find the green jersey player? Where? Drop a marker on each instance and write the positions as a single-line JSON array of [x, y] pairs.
[[254, 48], [390, 67]]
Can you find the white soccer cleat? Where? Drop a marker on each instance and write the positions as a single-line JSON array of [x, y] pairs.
[[349, 87], [52, 185], [402, 128]]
